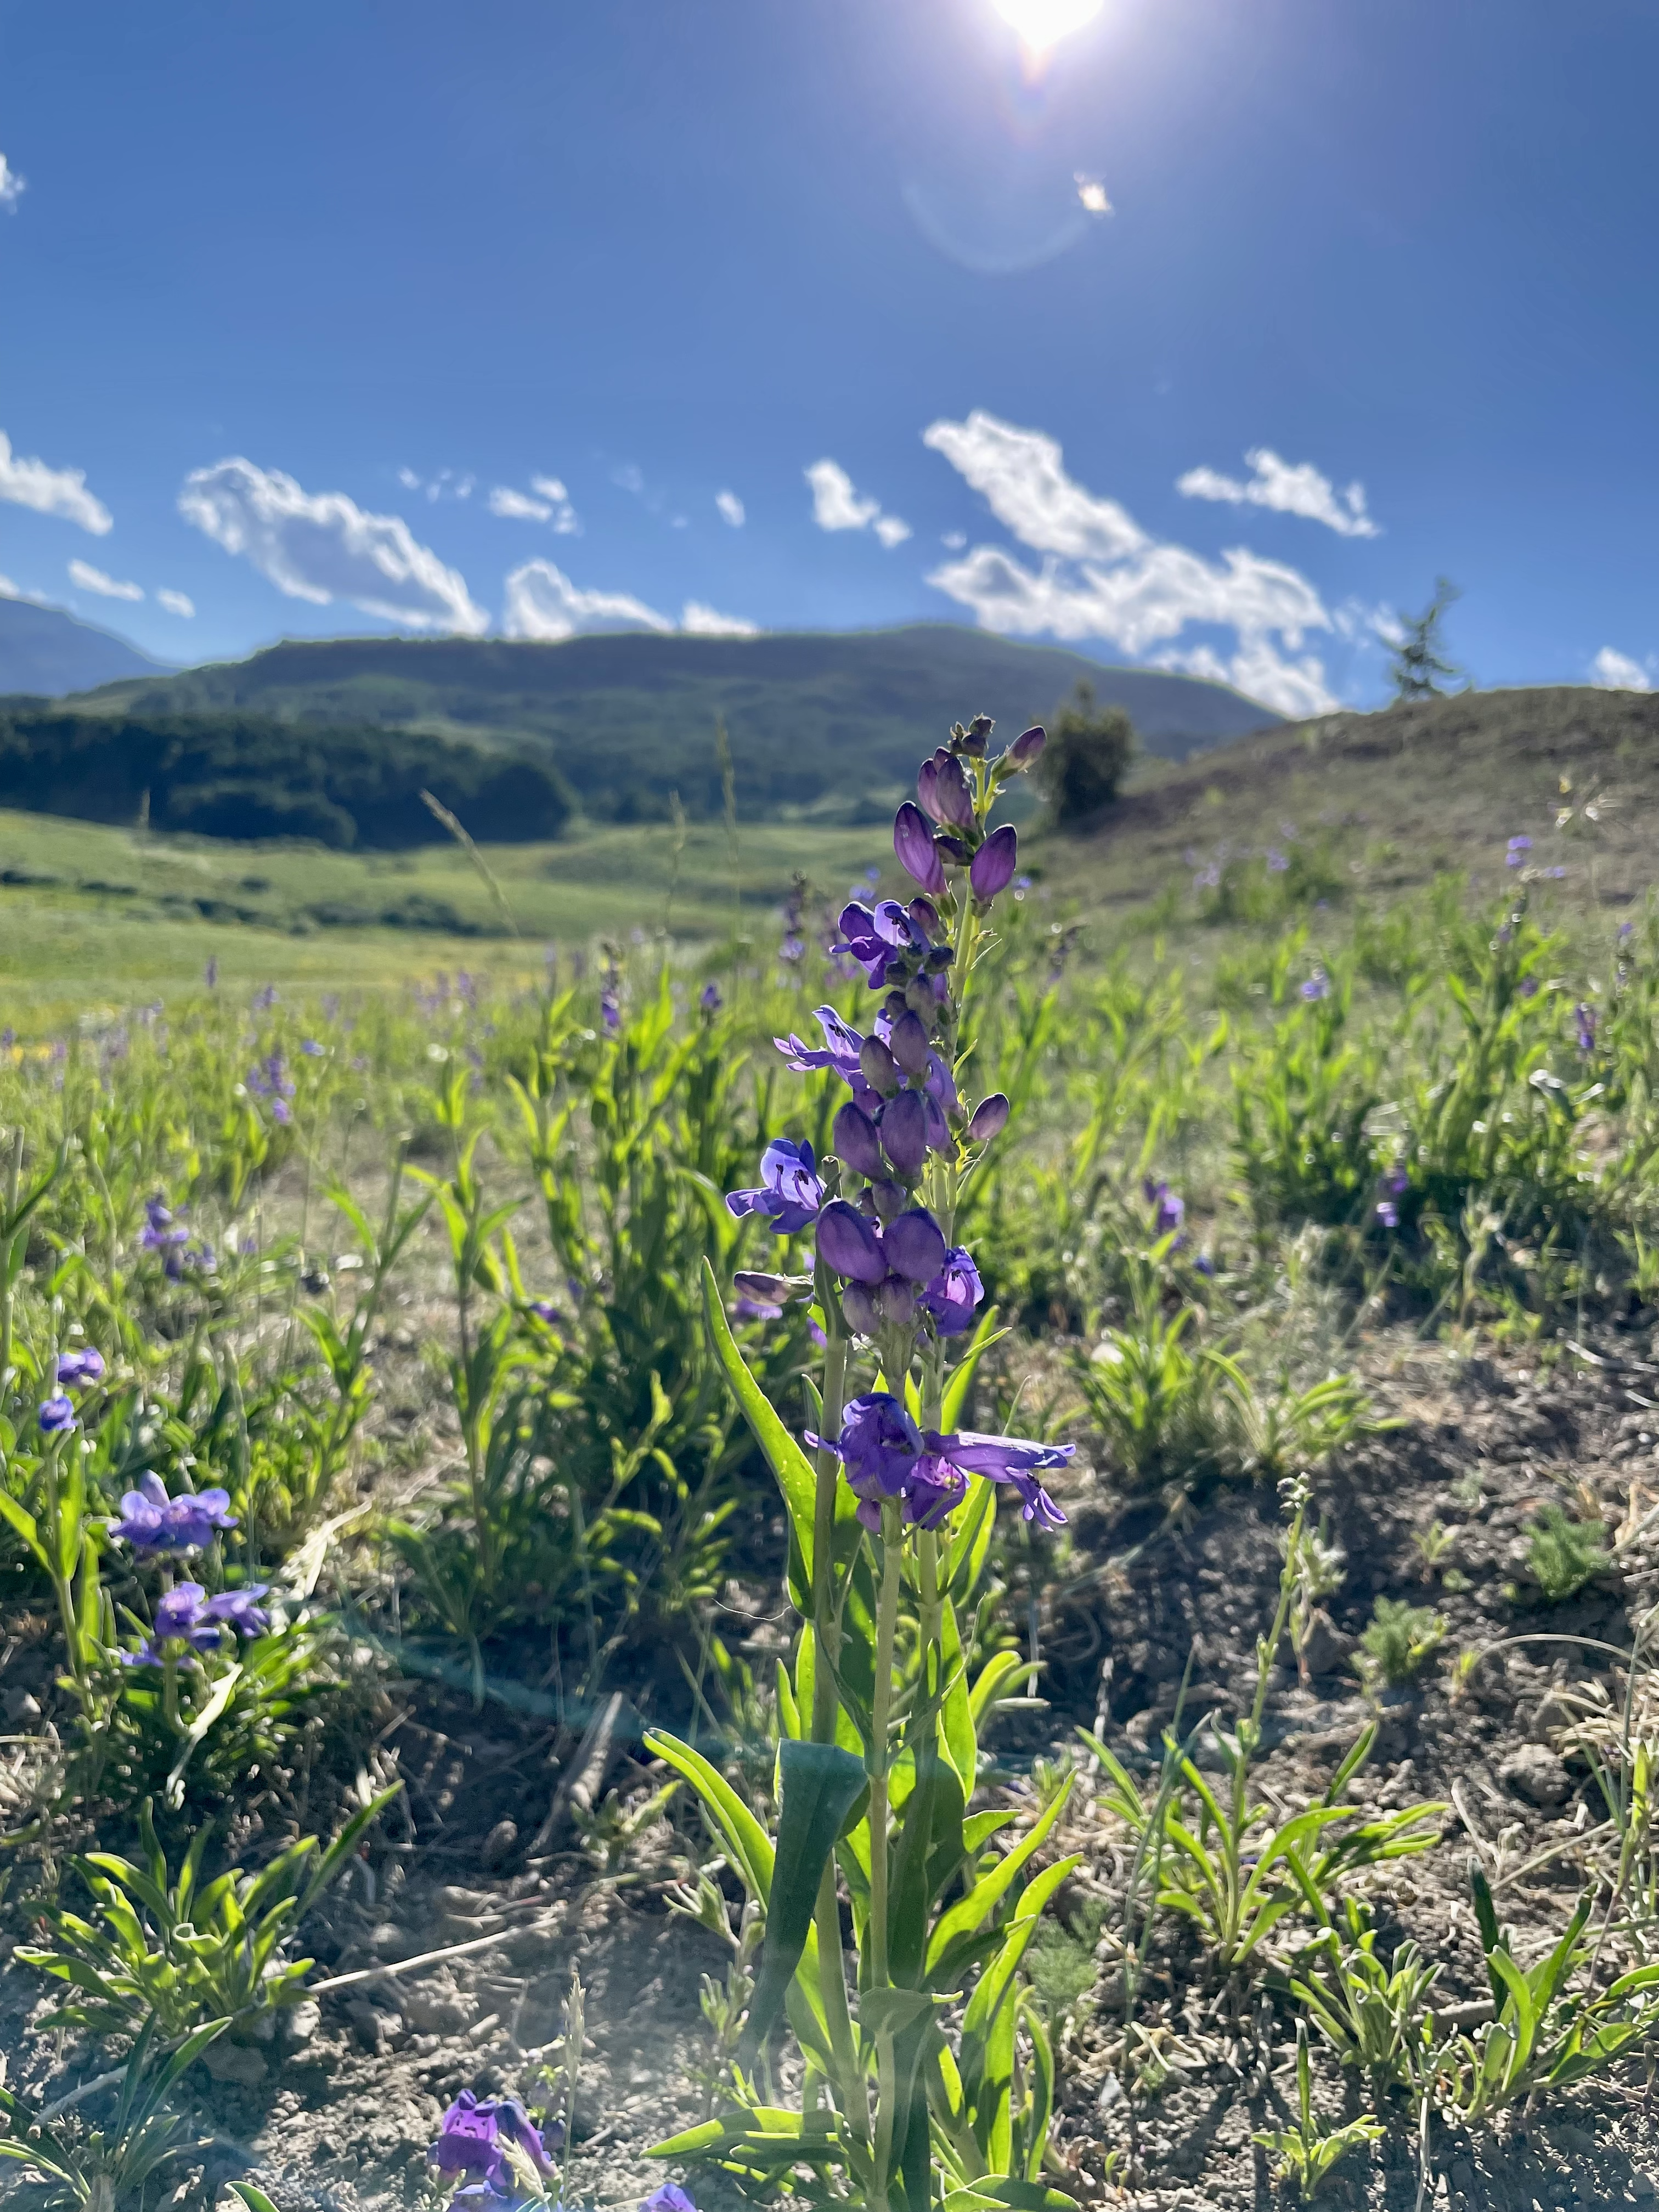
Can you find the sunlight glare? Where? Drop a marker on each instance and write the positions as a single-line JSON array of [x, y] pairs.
[[1040, 23]]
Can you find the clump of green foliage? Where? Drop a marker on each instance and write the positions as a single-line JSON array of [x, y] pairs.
[[1089, 751], [1398, 1640], [1563, 1554]]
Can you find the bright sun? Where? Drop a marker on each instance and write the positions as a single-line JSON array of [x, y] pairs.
[[1040, 23]]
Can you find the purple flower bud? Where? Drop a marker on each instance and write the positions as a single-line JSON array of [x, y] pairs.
[[897, 1302], [995, 862], [879, 1068], [853, 1141], [990, 1119], [912, 841], [1026, 747], [953, 849], [848, 1246], [858, 1309], [904, 1131], [908, 1044], [924, 915], [945, 792], [769, 1290], [888, 1199], [976, 737], [913, 1245]]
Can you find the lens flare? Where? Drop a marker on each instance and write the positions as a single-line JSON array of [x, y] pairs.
[[1042, 23]]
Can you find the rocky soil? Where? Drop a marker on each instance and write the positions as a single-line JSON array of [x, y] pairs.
[[336, 2114]]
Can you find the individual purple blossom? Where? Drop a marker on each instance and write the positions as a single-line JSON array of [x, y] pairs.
[[1318, 985], [1169, 1211], [240, 1609], [710, 999], [1204, 1264], [151, 1522], [885, 1455], [1026, 747], [755, 1310], [56, 1416], [943, 787], [953, 1293], [670, 2198], [545, 1310], [842, 1046], [265, 999], [185, 1614], [913, 843], [881, 939], [313, 1051], [1585, 1016], [1626, 931], [791, 1189], [1388, 1213], [473, 2136], [76, 1369], [160, 1231], [1518, 849], [993, 865]]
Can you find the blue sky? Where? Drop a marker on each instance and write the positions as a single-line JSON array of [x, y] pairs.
[[338, 316]]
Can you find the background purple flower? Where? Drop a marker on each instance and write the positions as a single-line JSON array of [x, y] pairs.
[[151, 1522], [56, 1416], [76, 1369]]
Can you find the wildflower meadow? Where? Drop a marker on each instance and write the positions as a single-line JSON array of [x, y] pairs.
[[888, 1411]]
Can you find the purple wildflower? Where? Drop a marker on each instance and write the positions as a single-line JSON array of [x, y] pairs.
[[1388, 1213], [885, 1455], [791, 1189], [1518, 849], [711, 1001], [151, 1522], [1169, 1211], [76, 1369], [313, 1051], [1585, 1017], [1318, 985], [56, 1416], [953, 1293], [473, 2136]]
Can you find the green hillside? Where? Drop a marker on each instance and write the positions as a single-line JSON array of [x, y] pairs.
[[824, 723]]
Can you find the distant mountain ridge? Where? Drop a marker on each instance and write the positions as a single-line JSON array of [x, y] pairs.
[[823, 722], [44, 653]]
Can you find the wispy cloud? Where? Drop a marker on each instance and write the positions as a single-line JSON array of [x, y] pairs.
[[93, 580], [12, 186], [446, 485], [699, 621], [1288, 487], [838, 505], [1103, 576], [1611, 670], [322, 546], [176, 603], [10, 591], [62, 492], [548, 503], [542, 603], [730, 507]]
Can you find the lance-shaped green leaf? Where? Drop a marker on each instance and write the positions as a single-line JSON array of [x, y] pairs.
[[1011, 2192], [987, 2055], [821, 1784], [797, 1477], [746, 1842], [966, 1917]]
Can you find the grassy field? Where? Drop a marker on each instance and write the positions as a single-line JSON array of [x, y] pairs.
[[90, 915]]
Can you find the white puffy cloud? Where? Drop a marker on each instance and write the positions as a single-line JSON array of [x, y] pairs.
[[730, 507], [12, 186], [1091, 194], [1103, 576], [176, 603], [549, 502], [62, 492], [566, 521], [542, 603], [1022, 477], [93, 580], [322, 546], [1616, 671], [700, 621], [838, 505], [445, 485], [1287, 487]]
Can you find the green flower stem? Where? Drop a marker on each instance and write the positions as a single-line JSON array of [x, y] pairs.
[[892, 1571], [826, 1632], [63, 1585]]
